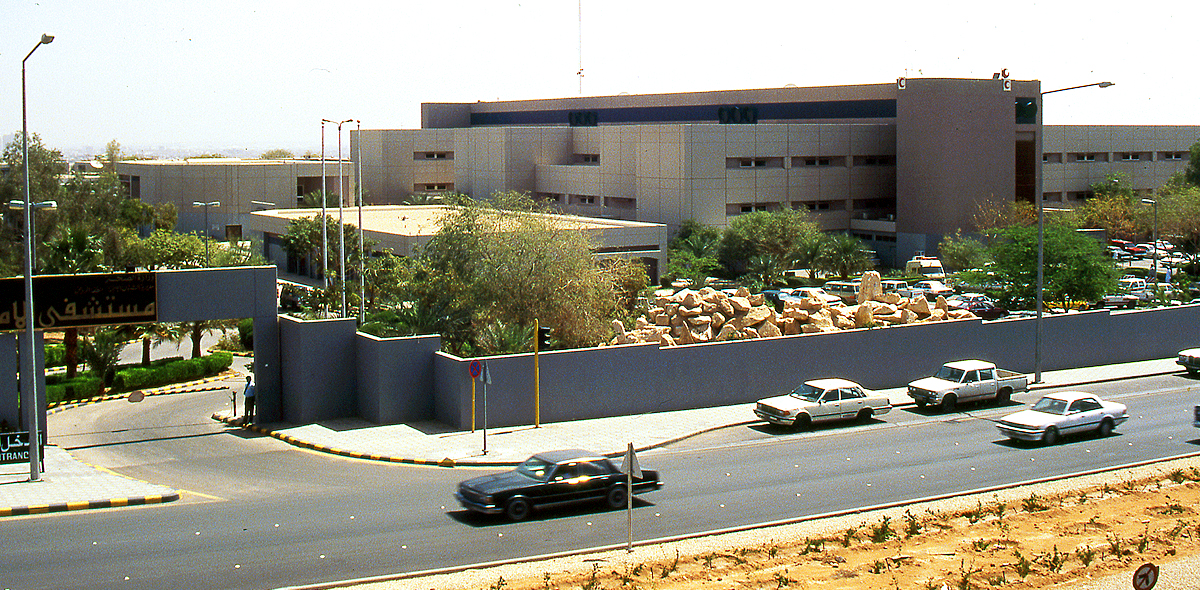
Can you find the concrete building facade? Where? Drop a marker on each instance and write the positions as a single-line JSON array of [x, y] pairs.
[[899, 164], [241, 186]]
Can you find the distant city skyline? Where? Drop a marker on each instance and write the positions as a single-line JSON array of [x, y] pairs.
[[239, 78]]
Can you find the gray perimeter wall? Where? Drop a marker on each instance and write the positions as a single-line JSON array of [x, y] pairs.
[[393, 376]]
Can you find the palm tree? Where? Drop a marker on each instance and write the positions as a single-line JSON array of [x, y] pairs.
[[73, 251], [101, 352], [153, 334], [842, 255], [196, 331]]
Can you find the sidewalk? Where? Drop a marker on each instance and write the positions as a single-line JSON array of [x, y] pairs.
[[432, 444], [69, 484]]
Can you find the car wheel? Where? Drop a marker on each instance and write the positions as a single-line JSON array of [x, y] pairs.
[[1003, 397], [1105, 428], [616, 496], [949, 402], [864, 415], [1050, 437], [921, 403], [802, 421], [517, 508]]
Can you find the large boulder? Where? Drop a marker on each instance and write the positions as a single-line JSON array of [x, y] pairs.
[[889, 298], [757, 315], [941, 304], [919, 305], [769, 330], [740, 304], [863, 316], [728, 332], [870, 287]]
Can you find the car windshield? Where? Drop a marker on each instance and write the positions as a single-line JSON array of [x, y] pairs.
[[949, 374], [536, 468], [808, 392], [1050, 405]]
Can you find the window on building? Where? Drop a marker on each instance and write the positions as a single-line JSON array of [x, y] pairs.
[[585, 200], [1084, 157], [875, 160], [1130, 157], [589, 158], [753, 208], [1170, 156], [433, 155], [752, 162], [816, 161], [1054, 158], [432, 187]]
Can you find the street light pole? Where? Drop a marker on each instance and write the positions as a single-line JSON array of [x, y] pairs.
[[1038, 327], [362, 255], [206, 205], [29, 359], [1155, 203], [341, 223], [324, 193]]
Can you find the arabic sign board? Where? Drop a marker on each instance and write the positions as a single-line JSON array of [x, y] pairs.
[[14, 447], [72, 301]]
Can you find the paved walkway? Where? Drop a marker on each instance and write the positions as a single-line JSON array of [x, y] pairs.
[[71, 485]]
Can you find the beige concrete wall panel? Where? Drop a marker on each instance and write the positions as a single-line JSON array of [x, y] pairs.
[[739, 141], [771, 178], [671, 154], [737, 178], [835, 139]]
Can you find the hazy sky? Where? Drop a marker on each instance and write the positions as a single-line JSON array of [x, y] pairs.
[[219, 75]]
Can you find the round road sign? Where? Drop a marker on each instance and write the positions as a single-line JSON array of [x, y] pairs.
[[476, 368], [1145, 577]]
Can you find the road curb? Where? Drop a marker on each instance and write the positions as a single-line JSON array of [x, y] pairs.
[[291, 440], [88, 505]]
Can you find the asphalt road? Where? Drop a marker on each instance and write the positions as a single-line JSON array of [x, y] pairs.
[[258, 514]]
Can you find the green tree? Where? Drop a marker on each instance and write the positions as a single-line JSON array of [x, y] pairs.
[[1077, 267], [313, 199], [167, 249], [1192, 172], [1113, 207], [786, 238], [506, 260], [101, 352], [154, 334], [277, 154], [842, 255], [1179, 218], [959, 253]]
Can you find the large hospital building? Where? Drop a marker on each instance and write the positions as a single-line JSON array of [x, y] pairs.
[[900, 164]]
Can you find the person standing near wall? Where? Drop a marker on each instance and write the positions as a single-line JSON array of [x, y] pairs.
[[249, 393]]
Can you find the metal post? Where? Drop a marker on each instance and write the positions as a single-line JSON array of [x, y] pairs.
[[1038, 331], [537, 374], [362, 254], [324, 227], [29, 359], [341, 222]]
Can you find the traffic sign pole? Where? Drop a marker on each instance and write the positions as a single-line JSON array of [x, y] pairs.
[[537, 375]]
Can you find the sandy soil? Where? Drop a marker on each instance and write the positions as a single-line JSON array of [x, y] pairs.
[[1063, 534]]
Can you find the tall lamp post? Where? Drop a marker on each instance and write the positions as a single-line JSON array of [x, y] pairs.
[[206, 205], [1155, 203], [362, 254], [29, 359], [1038, 330], [324, 198]]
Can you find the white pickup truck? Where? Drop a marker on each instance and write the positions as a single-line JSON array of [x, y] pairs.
[[962, 381]]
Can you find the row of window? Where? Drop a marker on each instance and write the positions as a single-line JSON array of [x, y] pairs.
[[433, 155], [811, 161], [1058, 158]]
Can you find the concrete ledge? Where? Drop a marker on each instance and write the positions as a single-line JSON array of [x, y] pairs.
[[89, 505]]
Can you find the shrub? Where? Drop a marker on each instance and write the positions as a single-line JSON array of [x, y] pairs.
[[246, 333], [174, 371], [81, 387], [55, 353]]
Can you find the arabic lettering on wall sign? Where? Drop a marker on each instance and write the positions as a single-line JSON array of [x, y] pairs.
[[71, 301]]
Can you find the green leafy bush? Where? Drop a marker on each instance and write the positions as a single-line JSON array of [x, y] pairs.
[[55, 353], [176, 371], [81, 387], [246, 333]]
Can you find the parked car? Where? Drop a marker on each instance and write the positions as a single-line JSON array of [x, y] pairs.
[[552, 478], [961, 300], [929, 289], [1136, 251], [987, 310], [847, 291], [1062, 413], [822, 400], [892, 285], [1190, 360], [818, 293], [969, 380], [1118, 253], [925, 266]]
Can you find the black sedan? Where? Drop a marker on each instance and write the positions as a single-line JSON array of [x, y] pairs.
[[985, 310], [552, 478]]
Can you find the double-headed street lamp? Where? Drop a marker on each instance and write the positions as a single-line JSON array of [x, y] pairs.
[[29, 359], [1155, 203], [206, 205], [1038, 331]]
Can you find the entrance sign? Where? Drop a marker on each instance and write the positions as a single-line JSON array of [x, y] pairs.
[[14, 447], [72, 301]]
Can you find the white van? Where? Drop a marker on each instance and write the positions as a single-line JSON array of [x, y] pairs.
[[928, 267]]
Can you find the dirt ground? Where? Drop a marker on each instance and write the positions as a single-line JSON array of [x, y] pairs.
[[1056, 535]]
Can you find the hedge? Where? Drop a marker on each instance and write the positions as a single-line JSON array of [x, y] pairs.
[[55, 353], [138, 377], [131, 377]]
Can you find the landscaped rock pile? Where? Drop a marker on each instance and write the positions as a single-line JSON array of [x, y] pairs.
[[709, 315]]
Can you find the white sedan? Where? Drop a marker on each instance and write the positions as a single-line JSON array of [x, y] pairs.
[[1066, 412], [820, 400]]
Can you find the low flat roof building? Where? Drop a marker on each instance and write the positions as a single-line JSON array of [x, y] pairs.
[[403, 229]]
